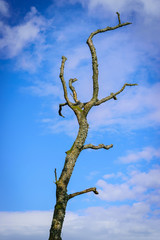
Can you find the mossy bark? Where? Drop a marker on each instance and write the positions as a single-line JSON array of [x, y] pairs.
[[61, 185]]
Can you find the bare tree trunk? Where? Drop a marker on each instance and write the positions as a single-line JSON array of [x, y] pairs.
[[81, 110], [61, 192], [59, 213]]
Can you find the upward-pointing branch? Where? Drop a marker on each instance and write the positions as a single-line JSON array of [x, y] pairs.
[[119, 20], [63, 81], [95, 63], [72, 80]]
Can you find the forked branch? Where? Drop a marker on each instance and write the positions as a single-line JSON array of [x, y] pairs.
[[113, 95], [82, 192], [94, 60], [107, 147]]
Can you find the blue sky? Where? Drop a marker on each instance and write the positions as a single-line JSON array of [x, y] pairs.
[[34, 35]]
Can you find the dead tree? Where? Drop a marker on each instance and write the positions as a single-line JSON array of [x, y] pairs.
[[80, 110]]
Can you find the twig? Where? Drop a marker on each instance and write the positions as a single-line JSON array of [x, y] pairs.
[[55, 172], [119, 20]]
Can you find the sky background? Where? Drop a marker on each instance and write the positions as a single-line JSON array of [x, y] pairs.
[[34, 35]]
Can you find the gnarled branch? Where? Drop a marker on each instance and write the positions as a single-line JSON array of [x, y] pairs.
[[113, 95], [72, 80], [60, 108], [95, 63], [82, 192], [97, 147]]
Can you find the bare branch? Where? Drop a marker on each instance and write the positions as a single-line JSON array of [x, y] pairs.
[[95, 63], [72, 80], [97, 147], [82, 192], [55, 172], [63, 81], [113, 95], [60, 108], [119, 20], [56, 180]]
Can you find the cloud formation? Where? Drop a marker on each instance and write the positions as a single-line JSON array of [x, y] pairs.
[[149, 7], [25, 41], [104, 223], [147, 154], [136, 186]]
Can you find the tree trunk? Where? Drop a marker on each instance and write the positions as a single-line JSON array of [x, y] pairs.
[[59, 213], [81, 110], [61, 185]]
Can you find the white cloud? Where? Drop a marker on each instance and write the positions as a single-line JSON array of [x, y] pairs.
[[4, 8], [44, 89], [148, 153], [135, 108], [117, 222], [147, 7], [137, 186], [111, 192], [17, 38], [146, 180], [91, 175], [151, 7], [119, 175], [107, 176], [24, 224], [77, 55], [67, 126]]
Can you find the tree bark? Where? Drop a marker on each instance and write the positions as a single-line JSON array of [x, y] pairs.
[[61, 185]]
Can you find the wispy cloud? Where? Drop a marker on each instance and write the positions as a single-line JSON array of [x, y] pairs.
[[18, 41], [146, 7], [136, 109], [4, 8], [137, 186], [42, 89], [147, 154], [91, 175]]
